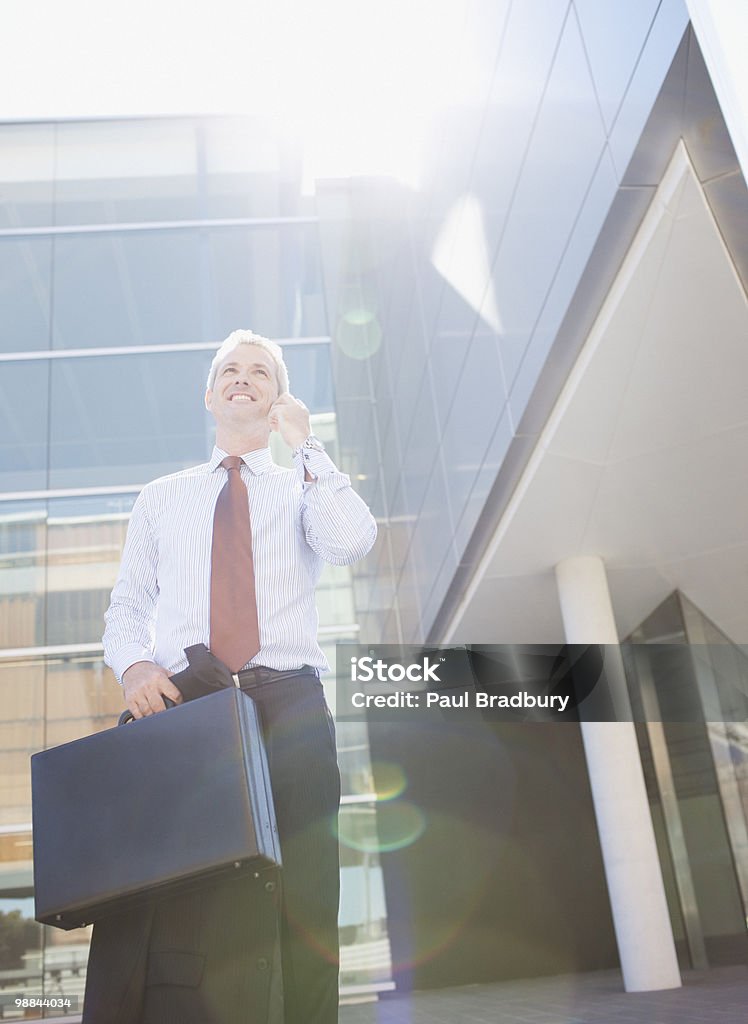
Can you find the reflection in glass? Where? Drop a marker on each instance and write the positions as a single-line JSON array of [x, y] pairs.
[[85, 540], [186, 169], [82, 696], [21, 734], [43, 702], [364, 948], [22, 575], [269, 278], [23, 425], [692, 778], [311, 381], [25, 293], [462, 256], [128, 288], [57, 570], [26, 175], [126, 171], [39, 962], [20, 935], [249, 172], [161, 287], [127, 419], [364, 945]]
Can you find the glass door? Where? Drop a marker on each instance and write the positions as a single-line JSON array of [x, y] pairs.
[[685, 681]]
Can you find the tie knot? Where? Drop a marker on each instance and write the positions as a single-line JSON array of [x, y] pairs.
[[232, 462]]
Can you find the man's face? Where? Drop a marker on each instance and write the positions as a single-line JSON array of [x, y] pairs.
[[245, 387]]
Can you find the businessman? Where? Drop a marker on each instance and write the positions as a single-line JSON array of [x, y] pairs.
[[227, 554]]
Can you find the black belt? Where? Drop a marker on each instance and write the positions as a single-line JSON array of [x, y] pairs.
[[250, 678]]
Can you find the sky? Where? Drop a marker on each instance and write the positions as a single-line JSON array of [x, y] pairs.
[[357, 77]]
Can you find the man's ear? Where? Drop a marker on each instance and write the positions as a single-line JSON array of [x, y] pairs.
[[208, 399]]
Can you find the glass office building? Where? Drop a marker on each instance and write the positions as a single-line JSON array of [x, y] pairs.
[[560, 375], [128, 251]]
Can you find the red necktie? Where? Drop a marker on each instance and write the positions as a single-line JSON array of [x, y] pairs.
[[234, 629]]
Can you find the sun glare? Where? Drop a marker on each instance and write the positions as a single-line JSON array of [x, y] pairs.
[[359, 81]]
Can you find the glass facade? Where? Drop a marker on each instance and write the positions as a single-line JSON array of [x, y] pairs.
[[694, 748], [128, 250]]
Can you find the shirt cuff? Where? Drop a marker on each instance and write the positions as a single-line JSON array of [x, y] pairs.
[[127, 656], [317, 463]]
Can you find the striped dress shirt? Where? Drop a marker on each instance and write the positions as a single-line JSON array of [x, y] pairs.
[[161, 601]]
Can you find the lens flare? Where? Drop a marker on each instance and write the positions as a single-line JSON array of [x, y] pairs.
[[359, 334], [395, 825], [389, 780]]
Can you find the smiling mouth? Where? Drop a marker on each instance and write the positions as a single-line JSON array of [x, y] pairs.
[[242, 397]]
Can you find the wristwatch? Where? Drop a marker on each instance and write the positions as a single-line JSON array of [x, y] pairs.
[[312, 444]]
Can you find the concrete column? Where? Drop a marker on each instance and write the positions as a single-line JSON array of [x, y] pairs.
[[632, 867]]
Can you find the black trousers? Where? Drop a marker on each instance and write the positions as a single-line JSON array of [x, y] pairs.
[[212, 956], [300, 739]]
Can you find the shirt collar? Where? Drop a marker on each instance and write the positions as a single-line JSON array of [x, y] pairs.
[[258, 462]]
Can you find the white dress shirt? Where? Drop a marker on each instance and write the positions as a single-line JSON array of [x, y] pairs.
[[161, 601]]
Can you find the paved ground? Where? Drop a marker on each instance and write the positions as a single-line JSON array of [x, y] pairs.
[[719, 996]]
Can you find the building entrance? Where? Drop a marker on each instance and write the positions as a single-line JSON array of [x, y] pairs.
[[689, 693]]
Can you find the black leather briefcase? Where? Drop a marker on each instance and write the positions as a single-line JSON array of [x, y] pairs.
[[158, 805]]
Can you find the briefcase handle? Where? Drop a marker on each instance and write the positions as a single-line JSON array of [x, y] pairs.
[[128, 716], [204, 674]]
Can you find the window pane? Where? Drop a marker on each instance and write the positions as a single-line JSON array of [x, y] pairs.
[[311, 380], [21, 735], [20, 935], [249, 172], [139, 288], [268, 279], [23, 425], [25, 275], [125, 171], [26, 172], [127, 419], [42, 703], [57, 570], [171, 287], [82, 697], [22, 584], [85, 538]]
